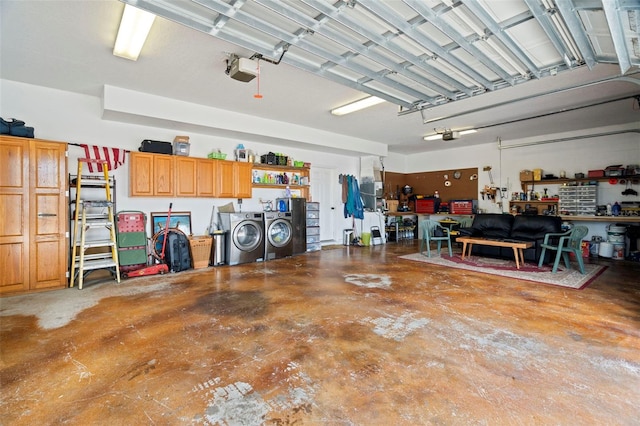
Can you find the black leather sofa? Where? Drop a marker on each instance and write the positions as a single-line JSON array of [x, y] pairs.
[[521, 228]]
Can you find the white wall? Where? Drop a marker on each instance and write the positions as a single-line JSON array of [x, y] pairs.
[[572, 156], [69, 117], [75, 118]]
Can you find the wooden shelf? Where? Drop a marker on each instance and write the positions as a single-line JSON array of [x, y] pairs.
[[554, 201], [279, 186], [621, 219], [566, 181], [300, 172], [260, 166]]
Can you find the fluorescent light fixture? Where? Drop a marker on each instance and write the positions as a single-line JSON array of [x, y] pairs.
[[438, 136], [467, 132], [357, 105], [433, 137], [134, 29]]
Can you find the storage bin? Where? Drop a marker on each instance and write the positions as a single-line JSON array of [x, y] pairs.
[[614, 171], [200, 250], [314, 230], [313, 222], [181, 148], [216, 156], [278, 160]]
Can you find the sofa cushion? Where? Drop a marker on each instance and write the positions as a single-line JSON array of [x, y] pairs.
[[492, 225], [534, 228], [531, 228]]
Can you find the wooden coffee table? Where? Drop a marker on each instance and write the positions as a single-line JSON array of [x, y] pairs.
[[517, 246]]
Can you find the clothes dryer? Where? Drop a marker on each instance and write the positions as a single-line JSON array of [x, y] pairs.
[[244, 236], [278, 238]]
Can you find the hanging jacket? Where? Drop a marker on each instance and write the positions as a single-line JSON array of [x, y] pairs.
[[348, 205], [358, 204]]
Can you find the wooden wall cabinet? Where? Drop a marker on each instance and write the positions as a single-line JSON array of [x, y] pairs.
[[158, 175], [224, 179], [206, 177], [234, 179], [186, 176], [242, 175], [33, 220], [151, 175]]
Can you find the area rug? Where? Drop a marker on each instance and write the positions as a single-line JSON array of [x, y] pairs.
[[571, 278]]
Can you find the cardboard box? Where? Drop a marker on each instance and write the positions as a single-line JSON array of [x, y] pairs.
[[537, 174], [526, 176], [595, 173]]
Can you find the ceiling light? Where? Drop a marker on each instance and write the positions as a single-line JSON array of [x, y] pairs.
[[454, 135], [134, 29], [357, 105], [435, 137]]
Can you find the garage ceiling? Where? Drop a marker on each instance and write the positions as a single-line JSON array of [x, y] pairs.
[[421, 53], [495, 65]]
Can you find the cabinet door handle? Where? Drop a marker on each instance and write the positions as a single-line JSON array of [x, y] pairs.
[[47, 215]]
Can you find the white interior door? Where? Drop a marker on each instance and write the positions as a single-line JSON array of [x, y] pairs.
[[324, 186]]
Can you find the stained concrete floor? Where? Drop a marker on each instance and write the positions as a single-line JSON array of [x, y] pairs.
[[349, 336]]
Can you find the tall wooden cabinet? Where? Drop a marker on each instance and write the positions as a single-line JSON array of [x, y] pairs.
[[33, 220]]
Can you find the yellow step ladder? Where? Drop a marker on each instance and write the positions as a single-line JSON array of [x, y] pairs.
[[86, 223]]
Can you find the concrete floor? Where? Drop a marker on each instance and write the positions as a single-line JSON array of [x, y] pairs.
[[344, 336]]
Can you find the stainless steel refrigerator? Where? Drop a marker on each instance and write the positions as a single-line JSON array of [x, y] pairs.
[[298, 209]]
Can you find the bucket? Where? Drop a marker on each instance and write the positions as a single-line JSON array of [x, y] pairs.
[[618, 251], [366, 238], [615, 235], [606, 249]]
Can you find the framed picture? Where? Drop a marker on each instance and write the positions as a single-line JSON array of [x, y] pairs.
[[180, 220]]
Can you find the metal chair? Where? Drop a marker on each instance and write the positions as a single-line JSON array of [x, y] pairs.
[[430, 229], [568, 242]]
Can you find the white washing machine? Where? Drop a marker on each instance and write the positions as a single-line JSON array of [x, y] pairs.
[[278, 235], [244, 237]]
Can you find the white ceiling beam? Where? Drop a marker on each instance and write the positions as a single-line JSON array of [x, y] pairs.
[[570, 16], [615, 27]]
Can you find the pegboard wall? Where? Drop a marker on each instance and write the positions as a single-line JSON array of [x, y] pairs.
[[427, 183]]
